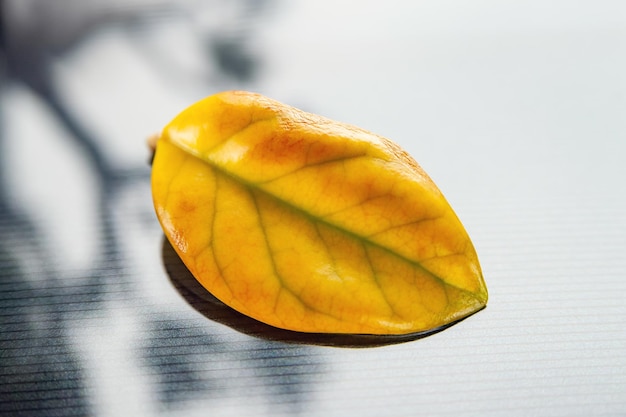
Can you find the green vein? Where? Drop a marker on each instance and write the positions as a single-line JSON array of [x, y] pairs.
[[220, 268], [375, 276], [278, 275], [255, 186]]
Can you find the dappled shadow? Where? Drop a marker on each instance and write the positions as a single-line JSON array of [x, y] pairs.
[[50, 314], [38, 361]]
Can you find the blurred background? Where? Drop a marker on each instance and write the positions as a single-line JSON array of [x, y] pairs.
[[516, 109]]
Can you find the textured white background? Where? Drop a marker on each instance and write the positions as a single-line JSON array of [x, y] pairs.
[[516, 109]]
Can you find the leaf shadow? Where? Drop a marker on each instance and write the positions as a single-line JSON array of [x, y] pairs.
[[209, 306]]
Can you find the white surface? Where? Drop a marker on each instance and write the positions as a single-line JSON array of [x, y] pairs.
[[517, 111]]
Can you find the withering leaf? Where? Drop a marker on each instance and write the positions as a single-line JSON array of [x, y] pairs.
[[308, 224]]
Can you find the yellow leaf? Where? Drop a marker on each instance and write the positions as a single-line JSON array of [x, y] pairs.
[[308, 224]]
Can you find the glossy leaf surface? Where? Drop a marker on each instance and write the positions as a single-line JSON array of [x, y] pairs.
[[309, 224]]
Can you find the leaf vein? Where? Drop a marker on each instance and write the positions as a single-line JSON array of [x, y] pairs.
[[312, 165], [258, 188], [283, 285], [380, 287]]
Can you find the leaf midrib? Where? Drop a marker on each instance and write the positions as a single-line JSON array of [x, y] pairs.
[[253, 186]]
